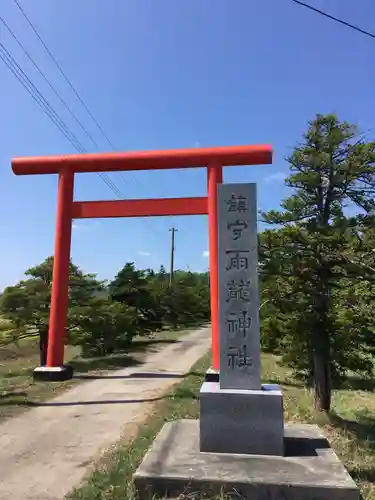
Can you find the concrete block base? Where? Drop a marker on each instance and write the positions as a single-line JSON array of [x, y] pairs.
[[212, 375], [309, 470], [53, 374], [241, 421]]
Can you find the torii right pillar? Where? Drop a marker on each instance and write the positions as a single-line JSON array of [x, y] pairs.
[[214, 178]]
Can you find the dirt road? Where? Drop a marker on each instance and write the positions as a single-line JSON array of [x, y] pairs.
[[46, 452]]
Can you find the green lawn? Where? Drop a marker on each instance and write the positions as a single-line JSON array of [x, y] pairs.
[[18, 392], [350, 429]]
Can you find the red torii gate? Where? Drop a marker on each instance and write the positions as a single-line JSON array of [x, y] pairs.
[[68, 209]]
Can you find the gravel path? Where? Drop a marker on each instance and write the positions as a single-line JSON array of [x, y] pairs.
[[46, 451]]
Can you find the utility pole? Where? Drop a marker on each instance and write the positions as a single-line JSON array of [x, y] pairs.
[[173, 230]]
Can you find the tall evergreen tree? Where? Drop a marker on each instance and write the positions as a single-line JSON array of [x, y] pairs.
[[310, 255]]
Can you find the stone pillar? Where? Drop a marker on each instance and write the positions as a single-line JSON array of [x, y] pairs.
[[238, 414], [238, 287]]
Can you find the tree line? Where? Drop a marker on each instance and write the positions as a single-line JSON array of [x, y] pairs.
[[104, 317], [316, 266]]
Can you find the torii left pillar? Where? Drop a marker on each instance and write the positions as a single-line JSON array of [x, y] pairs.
[[55, 368]]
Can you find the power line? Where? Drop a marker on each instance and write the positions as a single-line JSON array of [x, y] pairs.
[[70, 85], [48, 82], [38, 97], [101, 174], [66, 79], [333, 18], [63, 73], [80, 148]]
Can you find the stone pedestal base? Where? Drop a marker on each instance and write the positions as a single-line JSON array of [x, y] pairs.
[[310, 469], [53, 374], [241, 421]]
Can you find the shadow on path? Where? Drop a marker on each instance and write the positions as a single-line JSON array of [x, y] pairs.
[[140, 375], [89, 403], [179, 394], [111, 362]]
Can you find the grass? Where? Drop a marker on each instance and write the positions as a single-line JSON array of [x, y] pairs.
[[350, 426], [18, 392], [350, 429]]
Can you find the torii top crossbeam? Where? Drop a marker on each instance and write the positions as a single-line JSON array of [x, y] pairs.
[[67, 209], [144, 160]]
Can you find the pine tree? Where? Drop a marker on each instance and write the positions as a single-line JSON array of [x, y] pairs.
[[307, 261], [27, 304], [131, 287]]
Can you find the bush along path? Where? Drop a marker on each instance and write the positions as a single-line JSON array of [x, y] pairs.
[[104, 318], [45, 452]]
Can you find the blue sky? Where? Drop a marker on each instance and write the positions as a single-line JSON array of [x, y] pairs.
[[169, 74]]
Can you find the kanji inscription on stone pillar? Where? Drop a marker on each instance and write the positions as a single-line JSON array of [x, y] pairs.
[[239, 332]]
